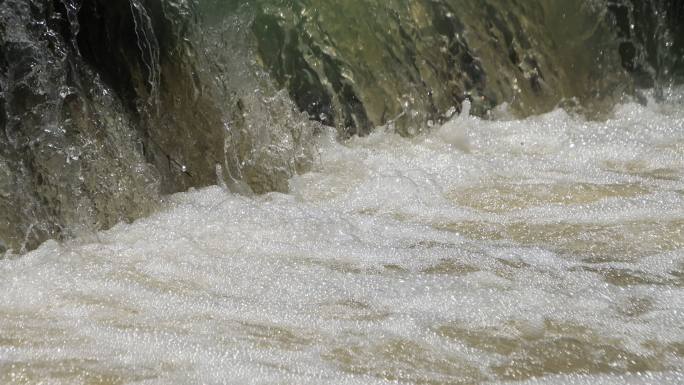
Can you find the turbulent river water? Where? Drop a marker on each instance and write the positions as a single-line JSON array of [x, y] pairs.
[[547, 250], [341, 192]]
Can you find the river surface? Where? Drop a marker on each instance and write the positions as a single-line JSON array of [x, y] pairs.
[[548, 250]]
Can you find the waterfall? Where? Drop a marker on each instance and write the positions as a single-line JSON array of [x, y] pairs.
[[249, 85], [149, 50], [651, 38], [350, 192], [72, 8]]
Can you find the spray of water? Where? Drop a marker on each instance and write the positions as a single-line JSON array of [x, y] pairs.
[[149, 50]]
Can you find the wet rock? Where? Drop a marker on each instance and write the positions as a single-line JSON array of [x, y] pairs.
[[71, 162], [651, 36]]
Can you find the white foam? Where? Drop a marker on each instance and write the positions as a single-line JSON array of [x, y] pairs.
[[475, 253]]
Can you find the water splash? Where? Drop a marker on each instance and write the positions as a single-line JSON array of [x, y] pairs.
[[648, 41], [149, 49], [72, 8]]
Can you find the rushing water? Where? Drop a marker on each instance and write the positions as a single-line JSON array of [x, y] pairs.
[[409, 231], [545, 250], [107, 105]]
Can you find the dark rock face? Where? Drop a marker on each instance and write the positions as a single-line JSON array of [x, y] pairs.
[[676, 18], [651, 40], [148, 65]]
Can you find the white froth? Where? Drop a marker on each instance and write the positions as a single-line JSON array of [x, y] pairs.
[[548, 250]]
